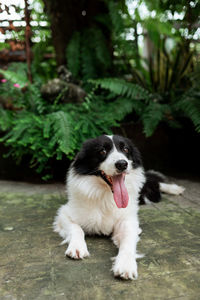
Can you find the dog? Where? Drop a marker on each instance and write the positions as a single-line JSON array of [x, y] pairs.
[[106, 183]]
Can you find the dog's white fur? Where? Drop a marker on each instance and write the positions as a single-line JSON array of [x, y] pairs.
[[108, 166], [172, 188], [91, 209]]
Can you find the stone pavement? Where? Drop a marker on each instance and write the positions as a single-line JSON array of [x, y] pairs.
[[33, 266]]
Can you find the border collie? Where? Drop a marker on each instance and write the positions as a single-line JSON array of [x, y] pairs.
[[105, 184]]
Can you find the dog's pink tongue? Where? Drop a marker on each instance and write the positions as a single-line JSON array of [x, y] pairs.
[[120, 192]]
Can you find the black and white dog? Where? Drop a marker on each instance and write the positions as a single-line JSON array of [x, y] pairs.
[[105, 184]]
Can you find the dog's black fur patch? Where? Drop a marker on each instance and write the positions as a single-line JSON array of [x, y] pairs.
[[89, 158], [133, 153], [151, 189], [95, 151]]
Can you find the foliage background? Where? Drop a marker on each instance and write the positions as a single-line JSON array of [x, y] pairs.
[[135, 61]]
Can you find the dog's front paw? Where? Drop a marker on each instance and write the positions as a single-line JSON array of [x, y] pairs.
[[77, 251], [125, 267]]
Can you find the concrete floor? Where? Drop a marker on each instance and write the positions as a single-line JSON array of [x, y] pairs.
[[33, 266]]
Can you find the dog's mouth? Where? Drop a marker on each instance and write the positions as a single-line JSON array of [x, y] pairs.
[[118, 188]]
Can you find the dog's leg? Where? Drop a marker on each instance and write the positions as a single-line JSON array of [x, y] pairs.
[[72, 233], [125, 237], [77, 247]]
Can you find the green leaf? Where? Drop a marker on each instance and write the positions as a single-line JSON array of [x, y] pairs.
[[62, 129], [189, 104], [123, 88], [73, 54], [153, 114], [15, 77]]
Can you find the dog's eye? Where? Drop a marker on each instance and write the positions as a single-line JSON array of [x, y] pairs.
[[126, 149], [103, 152]]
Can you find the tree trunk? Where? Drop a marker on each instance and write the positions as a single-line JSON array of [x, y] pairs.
[[67, 16], [28, 40]]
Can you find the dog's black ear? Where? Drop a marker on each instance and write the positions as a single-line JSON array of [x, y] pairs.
[[84, 163], [134, 154], [79, 163]]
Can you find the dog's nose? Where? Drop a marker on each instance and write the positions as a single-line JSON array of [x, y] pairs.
[[121, 165]]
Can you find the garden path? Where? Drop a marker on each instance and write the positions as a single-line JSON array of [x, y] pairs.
[[33, 266]]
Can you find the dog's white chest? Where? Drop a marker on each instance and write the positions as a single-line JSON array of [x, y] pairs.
[[98, 224], [95, 220]]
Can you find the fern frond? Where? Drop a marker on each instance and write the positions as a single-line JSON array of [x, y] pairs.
[[152, 115], [190, 106], [87, 60], [15, 77], [100, 45], [6, 117], [123, 88], [35, 99], [124, 106], [47, 127], [73, 54], [62, 129], [116, 19]]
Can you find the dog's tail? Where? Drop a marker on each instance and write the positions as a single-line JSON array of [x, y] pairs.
[[171, 188], [155, 183]]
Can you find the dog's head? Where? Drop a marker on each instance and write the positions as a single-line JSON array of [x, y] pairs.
[[111, 158]]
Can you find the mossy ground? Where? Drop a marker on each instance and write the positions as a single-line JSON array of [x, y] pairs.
[[33, 266]]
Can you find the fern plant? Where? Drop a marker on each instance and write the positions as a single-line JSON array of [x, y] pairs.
[[44, 131], [122, 88], [189, 106], [150, 108], [88, 55]]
